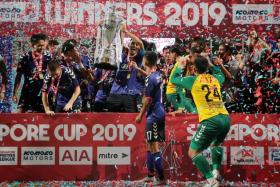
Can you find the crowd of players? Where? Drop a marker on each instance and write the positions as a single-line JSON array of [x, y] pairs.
[[62, 77]]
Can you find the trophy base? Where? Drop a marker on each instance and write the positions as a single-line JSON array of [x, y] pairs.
[[105, 66]]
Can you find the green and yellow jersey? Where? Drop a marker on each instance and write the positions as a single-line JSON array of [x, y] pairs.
[[205, 89], [171, 88]]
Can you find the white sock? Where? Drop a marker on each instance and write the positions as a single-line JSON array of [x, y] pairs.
[[215, 173], [211, 180]]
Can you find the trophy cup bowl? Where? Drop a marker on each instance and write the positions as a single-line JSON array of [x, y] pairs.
[[108, 52], [105, 59]]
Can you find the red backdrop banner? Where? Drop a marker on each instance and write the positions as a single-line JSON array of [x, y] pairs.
[[160, 18], [104, 146]]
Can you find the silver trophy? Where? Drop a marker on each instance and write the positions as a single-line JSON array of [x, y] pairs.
[[108, 50]]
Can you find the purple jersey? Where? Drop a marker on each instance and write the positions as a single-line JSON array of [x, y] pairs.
[[65, 86], [104, 79], [74, 67], [128, 80], [87, 62], [153, 90], [33, 79]]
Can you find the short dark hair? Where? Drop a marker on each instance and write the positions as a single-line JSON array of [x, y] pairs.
[[35, 38], [54, 64], [151, 58], [226, 46], [145, 43], [196, 50], [166, 48], [176, 49], [195, 40], [201, 64], [69, 45], [151, 47], [53, 42], [200, 41]]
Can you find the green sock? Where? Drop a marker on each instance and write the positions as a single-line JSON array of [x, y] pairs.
[[202, 165], [217, 157]]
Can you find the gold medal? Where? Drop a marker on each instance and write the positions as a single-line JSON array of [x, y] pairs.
[[41, 76], [128, 76]]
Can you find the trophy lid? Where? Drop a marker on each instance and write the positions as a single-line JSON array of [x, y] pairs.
[[112, 17]]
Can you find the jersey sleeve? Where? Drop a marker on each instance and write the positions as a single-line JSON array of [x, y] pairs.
[[185, 82], [217, 73], [140, 57], [149, 87], [142, 52], [97, 74], [73, 77]]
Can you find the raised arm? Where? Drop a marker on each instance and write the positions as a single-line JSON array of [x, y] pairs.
[[132, 36], [219, 62], [217, 73], [45, 96], [185, 82]]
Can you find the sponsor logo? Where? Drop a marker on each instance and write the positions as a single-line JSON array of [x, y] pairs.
[[10, 9], [251, 12], [247, 155], [199, 134], [8, 156], [254, 13], [274, 155], [208, 155], [37, 156], [241, 132], [113, 155], [75, 155], [19, 12]]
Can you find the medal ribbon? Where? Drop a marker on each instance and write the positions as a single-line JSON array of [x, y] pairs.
[[39, 65]]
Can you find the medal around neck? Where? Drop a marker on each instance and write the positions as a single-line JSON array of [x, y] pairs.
[[108, 51]]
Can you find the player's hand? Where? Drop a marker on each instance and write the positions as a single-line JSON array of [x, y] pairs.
[[253, 34], [173, 114], [68, 107], [124, 28], [15, 98], [275, 81], [182, 62], [2, 95], [50, 113], [99, 23], [138, 119], [218, 61], [134, 64], [77, 57]]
